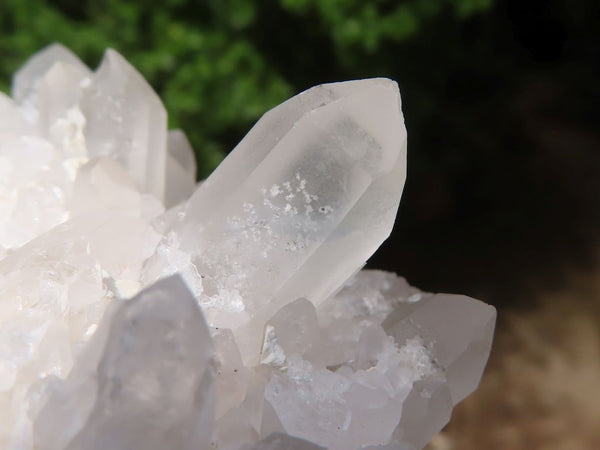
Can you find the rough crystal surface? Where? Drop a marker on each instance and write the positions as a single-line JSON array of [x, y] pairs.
[[152, 384], [139, 309]]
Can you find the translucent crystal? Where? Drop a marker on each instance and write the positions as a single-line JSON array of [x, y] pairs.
[[459, 331], [127, 122], [54, 292], [151, 386], [181, 168], [303, 350], [40, 75], [330, 380], [12, 121], [318, 182], [231, 373]]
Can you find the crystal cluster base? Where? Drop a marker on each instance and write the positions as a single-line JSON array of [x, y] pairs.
[[139, 309]]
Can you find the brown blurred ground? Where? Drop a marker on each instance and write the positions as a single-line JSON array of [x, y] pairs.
[[541, 389]]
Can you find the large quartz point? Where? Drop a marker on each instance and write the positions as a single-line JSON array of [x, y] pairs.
[[299, 205], [146, 381]]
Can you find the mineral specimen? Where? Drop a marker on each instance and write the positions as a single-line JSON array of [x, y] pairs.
[[140, 310]]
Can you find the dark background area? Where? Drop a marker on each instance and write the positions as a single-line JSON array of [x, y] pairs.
[[500, 98], [503, 192]]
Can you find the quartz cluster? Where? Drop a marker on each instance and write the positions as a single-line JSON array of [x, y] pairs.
[[139, 309]]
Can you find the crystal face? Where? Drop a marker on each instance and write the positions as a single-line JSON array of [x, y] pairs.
[[139, 309]]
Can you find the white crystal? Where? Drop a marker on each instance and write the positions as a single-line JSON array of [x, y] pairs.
[[459, 331], [318, 182], [152, 385], [27, 79], [303, 350], [12, 121], [181, 169], [127, 122]]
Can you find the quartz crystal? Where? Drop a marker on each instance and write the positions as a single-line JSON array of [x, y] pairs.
[[139, 309], [147, 381]]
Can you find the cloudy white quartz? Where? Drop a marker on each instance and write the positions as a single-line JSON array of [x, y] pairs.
[[141, 310]]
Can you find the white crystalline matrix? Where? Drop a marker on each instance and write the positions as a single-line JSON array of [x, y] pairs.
[[141, 310]]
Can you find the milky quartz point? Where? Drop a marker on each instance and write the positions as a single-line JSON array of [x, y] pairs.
[[40, 145], [127, 121], [459, 330], [317, 185], [28, 77], [149, 385]]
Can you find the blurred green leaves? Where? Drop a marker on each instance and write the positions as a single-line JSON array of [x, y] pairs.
[[357, 23], [211, 61]]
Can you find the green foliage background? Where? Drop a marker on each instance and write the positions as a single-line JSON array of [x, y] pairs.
[[500, 99], [219, 64]]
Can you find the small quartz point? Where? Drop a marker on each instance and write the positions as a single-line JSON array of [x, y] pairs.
[[27, 79], [127, 122], [317, 185], [150, 385], [459, 331], [47, 90]]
